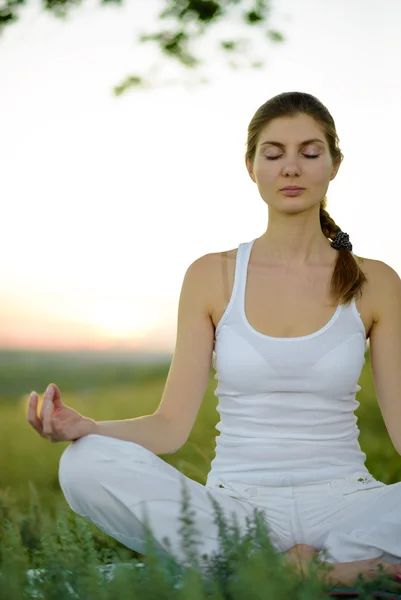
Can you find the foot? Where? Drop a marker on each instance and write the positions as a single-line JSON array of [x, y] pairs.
[[299, 556], [347, 573]]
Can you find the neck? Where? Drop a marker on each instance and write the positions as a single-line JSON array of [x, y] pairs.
[[295, 249]]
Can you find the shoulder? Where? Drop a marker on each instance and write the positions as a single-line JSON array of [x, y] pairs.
[[206, 273], [367, 265], [209, 262], [380, 272], [384, 270], [205, 264], [385, 285], [375, 267], [218, 256], [208, 268], [202, 272]]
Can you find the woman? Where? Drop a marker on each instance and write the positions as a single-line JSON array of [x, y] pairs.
[[287, 320]]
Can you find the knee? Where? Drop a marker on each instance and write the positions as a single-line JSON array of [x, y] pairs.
[[92, 458], [78, 461], [83, 470]]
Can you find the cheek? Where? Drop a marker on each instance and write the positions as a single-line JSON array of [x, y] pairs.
[[320, 171], [267, 171], [320, 176]]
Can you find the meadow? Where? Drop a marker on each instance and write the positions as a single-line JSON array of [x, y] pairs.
[[37, 527]]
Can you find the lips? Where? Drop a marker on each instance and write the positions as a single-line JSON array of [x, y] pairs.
[[292, 187]]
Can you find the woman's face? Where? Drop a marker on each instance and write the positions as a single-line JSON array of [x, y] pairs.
[[275, 167]]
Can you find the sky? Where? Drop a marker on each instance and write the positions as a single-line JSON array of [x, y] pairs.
[[106, 201]]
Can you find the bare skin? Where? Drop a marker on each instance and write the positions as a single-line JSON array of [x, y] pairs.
[[342, 574]]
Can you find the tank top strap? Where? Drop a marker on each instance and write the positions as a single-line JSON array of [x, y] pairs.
[[239, 285]]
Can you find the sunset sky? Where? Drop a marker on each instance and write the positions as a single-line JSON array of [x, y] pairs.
[[106, 201]]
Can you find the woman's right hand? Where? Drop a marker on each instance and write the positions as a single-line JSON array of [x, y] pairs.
[[57, 422]]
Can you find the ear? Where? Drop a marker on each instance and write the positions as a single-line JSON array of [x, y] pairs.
[[335, 171], [250, 169]]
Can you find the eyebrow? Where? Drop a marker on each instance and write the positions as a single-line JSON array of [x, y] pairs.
[[283, 145]]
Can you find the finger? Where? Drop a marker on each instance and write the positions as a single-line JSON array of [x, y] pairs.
[[47, 413], [32, 415], [46, 397], [57, 402]]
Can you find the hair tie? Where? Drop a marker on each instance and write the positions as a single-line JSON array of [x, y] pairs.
[[341, 241]]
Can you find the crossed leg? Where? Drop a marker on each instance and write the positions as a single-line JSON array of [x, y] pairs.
[[341, 573]]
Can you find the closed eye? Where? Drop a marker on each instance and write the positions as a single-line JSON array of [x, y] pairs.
[[306, 156]]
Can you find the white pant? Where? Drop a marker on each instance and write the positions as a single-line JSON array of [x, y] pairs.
[[109, 482]]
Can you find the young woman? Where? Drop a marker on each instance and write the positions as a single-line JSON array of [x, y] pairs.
[[287, 316]]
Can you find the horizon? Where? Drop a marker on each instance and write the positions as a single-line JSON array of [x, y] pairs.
[[101, 225]]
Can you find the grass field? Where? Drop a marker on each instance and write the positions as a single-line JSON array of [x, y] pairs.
[[121, 390]]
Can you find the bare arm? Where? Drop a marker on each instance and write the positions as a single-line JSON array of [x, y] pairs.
[[165, 431], [61, 423], [151, 431]]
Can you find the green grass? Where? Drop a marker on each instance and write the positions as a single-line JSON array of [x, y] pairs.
[[37, 527]]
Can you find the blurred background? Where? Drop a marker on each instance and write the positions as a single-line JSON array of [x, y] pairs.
[[122, 161], [107, 199]]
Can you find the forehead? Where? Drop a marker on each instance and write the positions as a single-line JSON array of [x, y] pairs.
[[292, 129]]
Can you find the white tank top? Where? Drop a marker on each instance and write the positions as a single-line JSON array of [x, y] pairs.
[[286, 405]]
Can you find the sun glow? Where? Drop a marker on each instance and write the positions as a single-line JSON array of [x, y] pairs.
[[121, 321]]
